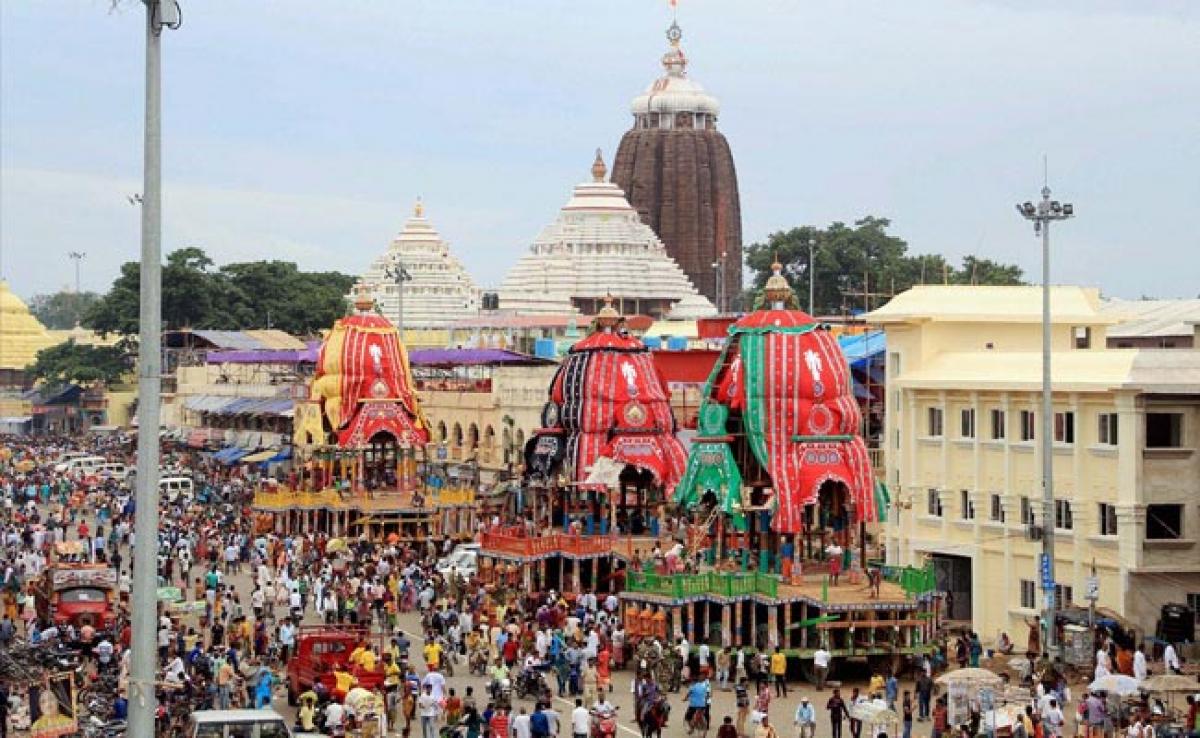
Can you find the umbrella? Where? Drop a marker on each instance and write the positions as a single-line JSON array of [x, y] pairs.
[[335, 545], [1170, 683], [873, 712], [972, 676], [1118, 684]]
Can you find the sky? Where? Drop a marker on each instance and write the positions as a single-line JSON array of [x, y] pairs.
[[305, 130]]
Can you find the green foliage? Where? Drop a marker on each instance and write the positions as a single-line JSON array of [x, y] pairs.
[[82, 363], [62, 310], [238, 296], [851, 260]]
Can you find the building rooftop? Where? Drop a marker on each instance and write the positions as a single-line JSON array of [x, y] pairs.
[[989, 304], [1151, 318]]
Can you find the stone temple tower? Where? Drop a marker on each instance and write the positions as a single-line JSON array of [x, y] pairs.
[[677, 171]]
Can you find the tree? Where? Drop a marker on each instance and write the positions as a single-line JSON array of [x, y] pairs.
[[858, 266], [62, 310], [83, 363], [239, 296]]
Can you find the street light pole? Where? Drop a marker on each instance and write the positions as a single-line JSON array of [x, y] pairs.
[[160, 14], [397, 272], [1041, 215], [812, 275], [77, 257]]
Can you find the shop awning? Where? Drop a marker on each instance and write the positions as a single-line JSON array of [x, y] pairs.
[[258, 457], [283, 455], [230, 454]]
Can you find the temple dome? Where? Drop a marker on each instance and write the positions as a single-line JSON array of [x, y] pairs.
[[596, 247], [675, 92]]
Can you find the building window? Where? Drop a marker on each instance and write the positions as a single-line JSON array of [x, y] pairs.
[[1108, 519], [1028, 421], [1164, 430], [996, 513], [1107, 435], [1026, 512], [1063, 595], [997, 425], [1083, 337], [1193, 601], [966, 428], [1028, 594], [935, 421], [966, 506], [933, 503], [1064, 427], [1164, 522], [1062, 515]]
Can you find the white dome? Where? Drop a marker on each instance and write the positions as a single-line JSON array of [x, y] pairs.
[[674, 92]]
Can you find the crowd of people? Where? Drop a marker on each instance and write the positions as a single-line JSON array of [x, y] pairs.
[[242, 599]]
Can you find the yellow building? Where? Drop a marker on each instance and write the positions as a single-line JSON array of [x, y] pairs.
[[482, 404], [963, 458]]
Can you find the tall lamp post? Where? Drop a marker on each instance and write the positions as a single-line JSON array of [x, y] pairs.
[[812, 275], [160, 14], [719, 281], [397, 272], [1042, 214], [77, 257]]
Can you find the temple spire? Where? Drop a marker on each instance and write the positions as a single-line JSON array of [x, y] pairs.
[[599, 171]]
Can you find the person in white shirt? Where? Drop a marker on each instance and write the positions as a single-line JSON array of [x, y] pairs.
[[429, 707], [821, 664], [521, 727], [1139, 663], [581, 720], [437, 683], [334, 714], [1053, 720], [1171, 659], [702, 654]]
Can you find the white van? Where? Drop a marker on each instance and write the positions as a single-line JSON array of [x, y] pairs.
[[170, 488], [115, 470], [237, 724], [86, 464]]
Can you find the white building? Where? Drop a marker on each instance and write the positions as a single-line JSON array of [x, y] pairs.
[[438, 290], [598, 246]]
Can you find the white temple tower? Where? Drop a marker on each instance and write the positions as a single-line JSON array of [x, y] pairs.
[[438, 290]]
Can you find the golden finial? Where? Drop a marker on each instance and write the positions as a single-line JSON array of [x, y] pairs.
[[364, 297], [599, 171], [608, 316], [419, 208], [777, 289]]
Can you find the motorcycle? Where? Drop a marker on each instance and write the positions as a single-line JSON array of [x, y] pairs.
[[530, 683], [501, 693], [604, 723]]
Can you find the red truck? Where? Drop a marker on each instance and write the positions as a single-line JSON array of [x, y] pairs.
[[79, 594], [322, 649]]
